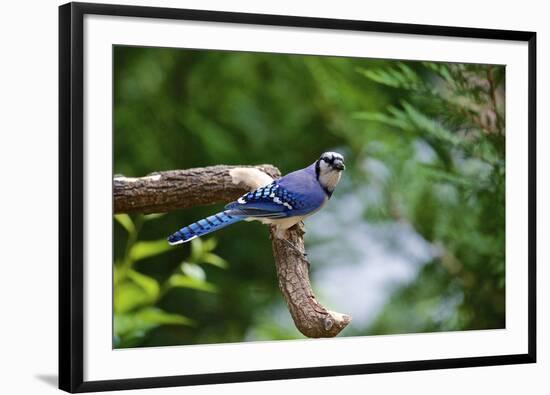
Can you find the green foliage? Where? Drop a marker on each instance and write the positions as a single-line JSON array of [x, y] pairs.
[[137, 296], [424, 145], [455, 199]]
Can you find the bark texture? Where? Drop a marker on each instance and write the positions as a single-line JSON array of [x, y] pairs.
[[310, 317], [176, 189]]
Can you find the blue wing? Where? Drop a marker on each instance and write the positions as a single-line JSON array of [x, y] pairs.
[[270, 201]]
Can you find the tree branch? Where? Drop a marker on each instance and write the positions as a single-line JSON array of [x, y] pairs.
[[175, 189]]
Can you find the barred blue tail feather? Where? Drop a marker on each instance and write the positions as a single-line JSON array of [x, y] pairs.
[[203, 227]]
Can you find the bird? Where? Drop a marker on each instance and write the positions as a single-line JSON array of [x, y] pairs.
[[284, 202]]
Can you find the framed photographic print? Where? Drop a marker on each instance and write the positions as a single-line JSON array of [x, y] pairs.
[[253, 197]]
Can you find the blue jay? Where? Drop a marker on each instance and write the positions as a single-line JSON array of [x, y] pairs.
[[284, 202]]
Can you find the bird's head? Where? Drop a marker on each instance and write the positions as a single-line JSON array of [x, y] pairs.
[[328, 169]]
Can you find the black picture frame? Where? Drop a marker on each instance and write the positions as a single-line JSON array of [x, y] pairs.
[[71, 204]]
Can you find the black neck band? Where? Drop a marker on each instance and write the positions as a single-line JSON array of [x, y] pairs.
[[317, 173], [317, 169]]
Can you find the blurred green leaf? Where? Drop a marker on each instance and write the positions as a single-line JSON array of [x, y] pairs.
[[124, 324], [197, 249], [126, 222], [200, 253], [209, 244], [400, 77], [215, 260], [150, 217], [429, 125], [148, 284], [194, 271], [159, 317], [147, 249], [145, 319], [446, 176], [116, 273], [128, 295], [390, 120], [180, 280]]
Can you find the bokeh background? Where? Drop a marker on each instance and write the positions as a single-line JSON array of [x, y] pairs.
[[411, 241]]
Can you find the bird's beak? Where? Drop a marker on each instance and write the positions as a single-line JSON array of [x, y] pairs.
[[339, 165]]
